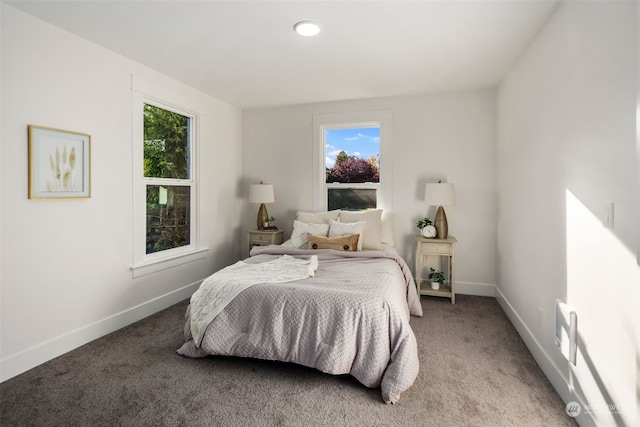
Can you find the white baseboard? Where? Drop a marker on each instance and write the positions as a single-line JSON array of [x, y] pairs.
[[559, 382], [477, 289], [41, 353]]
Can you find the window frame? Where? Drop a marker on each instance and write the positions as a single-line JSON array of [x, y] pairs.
[[146, 93], [352, 120]]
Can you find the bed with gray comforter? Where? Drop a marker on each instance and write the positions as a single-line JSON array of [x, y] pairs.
[[352, 317]]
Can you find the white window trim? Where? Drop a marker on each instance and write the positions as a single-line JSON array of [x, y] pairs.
[[144, 92], [321, 122]]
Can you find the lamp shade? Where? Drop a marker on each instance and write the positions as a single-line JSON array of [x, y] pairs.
[[440, 194], [261, 193]]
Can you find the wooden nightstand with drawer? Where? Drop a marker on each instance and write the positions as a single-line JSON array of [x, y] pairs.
[[436, 247], [264, 238]]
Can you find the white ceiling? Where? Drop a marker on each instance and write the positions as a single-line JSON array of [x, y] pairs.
[[247, 54]]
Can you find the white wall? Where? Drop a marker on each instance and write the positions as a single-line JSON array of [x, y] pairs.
[[66, 275], [566, 145], [443, 136], [638, 190]]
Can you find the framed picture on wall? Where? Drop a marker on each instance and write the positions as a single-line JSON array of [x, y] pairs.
[[59, 164]]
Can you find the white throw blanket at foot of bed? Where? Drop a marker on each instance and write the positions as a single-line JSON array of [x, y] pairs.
[[219, 289]]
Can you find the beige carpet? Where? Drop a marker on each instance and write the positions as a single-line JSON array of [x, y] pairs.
[[475, 371]]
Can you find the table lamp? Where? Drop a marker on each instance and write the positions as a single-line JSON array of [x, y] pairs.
[[440, 194], [262, 193]]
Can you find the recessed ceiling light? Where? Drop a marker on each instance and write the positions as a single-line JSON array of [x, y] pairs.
[[306, 28]]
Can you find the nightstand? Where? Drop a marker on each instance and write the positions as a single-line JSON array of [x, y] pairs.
[[436, 247], [264, 238]]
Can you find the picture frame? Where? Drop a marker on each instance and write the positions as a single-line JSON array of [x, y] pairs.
[[59, 163]]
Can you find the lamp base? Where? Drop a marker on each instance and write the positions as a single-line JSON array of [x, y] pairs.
[[441, 224], [263, 217]]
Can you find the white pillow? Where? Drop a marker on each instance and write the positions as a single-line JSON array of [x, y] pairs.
[[373, 219], [387, 234], [318, 217], [345, 228], [287, 244], [300, 230]]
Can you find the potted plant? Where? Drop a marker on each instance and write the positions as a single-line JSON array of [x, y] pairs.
[[426, 227], [436, 277], [422, 223]]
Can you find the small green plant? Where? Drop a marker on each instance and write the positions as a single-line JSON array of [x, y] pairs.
[[435, 275], [422, 223]]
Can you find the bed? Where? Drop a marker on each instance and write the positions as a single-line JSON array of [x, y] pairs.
[[341, 312]]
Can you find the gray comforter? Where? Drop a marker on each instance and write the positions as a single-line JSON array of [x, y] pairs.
[[351, 318]]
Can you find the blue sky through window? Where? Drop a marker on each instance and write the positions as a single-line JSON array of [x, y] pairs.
[[359, 142]]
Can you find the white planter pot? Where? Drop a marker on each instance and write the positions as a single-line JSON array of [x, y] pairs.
[[435, 285]]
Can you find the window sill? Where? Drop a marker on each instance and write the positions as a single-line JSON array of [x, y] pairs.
[[156, 265]]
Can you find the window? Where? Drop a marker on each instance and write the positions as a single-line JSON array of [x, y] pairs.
[[352, 158], [165, 196], [167, 176], [352, 165]]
